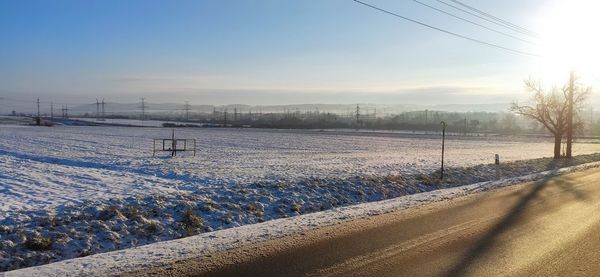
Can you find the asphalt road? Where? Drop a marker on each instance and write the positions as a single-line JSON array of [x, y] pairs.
[[547, 228]]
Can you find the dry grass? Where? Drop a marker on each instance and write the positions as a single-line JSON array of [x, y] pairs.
[[191, 222], [38, 243]]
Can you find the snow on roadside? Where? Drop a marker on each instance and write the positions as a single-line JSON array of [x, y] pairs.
[[204, 245], [68, 192], [42, 236]]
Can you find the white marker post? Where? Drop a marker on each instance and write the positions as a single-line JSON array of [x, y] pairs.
[[497, 163]]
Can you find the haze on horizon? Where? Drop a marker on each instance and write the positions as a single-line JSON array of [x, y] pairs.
[[284, 52]]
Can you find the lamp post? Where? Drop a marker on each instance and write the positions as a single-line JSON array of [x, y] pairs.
[[443, 147]]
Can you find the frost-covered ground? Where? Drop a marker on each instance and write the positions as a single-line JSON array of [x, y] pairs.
[[44, 167], [73, 191], [205, 246]]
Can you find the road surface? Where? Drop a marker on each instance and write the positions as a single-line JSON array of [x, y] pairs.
[[547, 228]]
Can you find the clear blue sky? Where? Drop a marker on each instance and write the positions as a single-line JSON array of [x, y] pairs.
[[272, 51]]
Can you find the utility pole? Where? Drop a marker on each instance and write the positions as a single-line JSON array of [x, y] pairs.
[[570, 114], [187, 110], [225, 117], [443, 148]]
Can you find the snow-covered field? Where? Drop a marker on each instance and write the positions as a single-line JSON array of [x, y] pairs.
[[205, 246], [73, 191], [43, 167]]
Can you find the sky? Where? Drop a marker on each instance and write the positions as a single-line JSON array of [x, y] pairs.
[[277, 51]]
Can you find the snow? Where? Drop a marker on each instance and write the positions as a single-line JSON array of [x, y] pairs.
[[96, 189], [207, 244], [38, 164]]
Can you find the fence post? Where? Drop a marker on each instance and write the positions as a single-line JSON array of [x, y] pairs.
[[173, 144]]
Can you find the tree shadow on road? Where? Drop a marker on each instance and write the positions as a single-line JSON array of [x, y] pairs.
[[484, 244]]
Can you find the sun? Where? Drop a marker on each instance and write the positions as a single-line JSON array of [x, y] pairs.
[[569, 39]]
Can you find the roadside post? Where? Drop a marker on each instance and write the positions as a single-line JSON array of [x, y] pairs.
[[443, 148], [497, 163]]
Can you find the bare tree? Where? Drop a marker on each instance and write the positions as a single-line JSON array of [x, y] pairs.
[[551, 109]]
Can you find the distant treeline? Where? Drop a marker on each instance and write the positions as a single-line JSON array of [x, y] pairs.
[[424, 120], [470, 122], [408, 121]]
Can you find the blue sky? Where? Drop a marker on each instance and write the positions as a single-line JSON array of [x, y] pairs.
[[256, 52]]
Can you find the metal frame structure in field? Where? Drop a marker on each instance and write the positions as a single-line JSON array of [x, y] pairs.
[[174, 145]]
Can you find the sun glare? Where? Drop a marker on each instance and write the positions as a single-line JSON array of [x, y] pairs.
[[570, 39]]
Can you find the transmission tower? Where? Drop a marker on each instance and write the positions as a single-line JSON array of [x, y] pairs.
[[102, 118], [187, 110], [143, 106], [97, 110], [357, 116], [65, 111], [39, 117]]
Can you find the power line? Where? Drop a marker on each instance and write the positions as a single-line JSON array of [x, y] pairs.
[[446, 31], [489, 20], [41, 102], [508, 23], [473, 22]]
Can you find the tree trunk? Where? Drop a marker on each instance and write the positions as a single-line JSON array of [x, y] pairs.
[[570, 114], [557, 145]]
